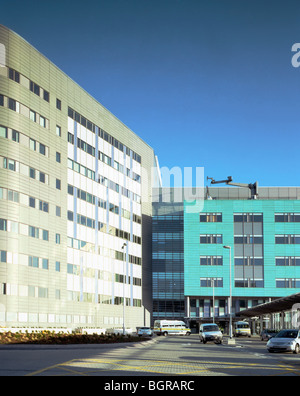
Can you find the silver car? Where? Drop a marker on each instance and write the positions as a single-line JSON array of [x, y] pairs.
[[285, 341], [210, 332], [144, 331]]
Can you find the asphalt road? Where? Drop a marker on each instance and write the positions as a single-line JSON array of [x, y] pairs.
[[176, 356]]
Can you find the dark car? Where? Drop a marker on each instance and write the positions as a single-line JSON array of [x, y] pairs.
[[267, 334]]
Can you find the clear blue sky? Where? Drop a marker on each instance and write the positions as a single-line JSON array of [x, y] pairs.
[[204, 82]]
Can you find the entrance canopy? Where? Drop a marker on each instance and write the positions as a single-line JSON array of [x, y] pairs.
[[279, 305]]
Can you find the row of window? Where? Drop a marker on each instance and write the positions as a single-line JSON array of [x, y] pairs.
[[288, 239], [24, 229], [85, 196], [81, 144], [74, 269], [75, 166], [286, 283], [20, 108], [103, 251], [88, 222], [102, 134], [250, 217]]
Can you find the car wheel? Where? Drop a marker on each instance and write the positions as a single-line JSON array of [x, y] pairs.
[[188, 333], [297, 349], [165, 333]]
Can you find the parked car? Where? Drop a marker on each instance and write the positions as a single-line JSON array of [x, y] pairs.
[[241, 329], [267, 334], [210, 332], [285, 341], [144, 331]]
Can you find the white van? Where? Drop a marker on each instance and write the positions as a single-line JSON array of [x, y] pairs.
[[170, 327], [241, 329]]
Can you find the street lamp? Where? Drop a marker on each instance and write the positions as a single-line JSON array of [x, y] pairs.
[[124, 257], [230, 292]]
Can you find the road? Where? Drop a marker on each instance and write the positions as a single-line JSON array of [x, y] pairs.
[[162, 356]]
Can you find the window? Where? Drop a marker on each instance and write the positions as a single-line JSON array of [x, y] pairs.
[[42, 149], [58, 104], [211, 238], [3, 225], [14, 75], [15, 136], [58, 211], [58, 130], [287, 217], [211, 260], [57, 266], [34, 88], [210, 217], [288, 239], [45, 235], [42, 121], [57, 239], [1, 100], [42, 177], [9, 164], [12, 104], [58, 184], [70, 216], [3, 132], [44, 206], [46, 96], [3, 257], [33, 232], [58, 157], [32, 115], [32, 144], [32, 202], [45, 264], [32, 173], [70, 138], [33, 261]]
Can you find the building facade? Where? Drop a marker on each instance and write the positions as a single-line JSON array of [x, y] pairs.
[[262, 237], [75, 213]]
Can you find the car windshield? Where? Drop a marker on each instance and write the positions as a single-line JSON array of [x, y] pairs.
[[287, 334], [243, 326], [210, 328]]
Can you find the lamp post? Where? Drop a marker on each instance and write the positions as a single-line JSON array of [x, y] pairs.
[[230, 292], [124, 276]]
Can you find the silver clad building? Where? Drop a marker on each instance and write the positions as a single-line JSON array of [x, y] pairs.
[[74, 188]]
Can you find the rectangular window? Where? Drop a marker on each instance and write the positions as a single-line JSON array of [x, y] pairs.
[[15, 136], [32, 173], [3, 225], [12, 104], [42, 121], [3, 257], [42, 149], [33, 232], [58, 184], [46, 96], [58, 130], [42, 177], [45, 235], [58, 211], [58, 157], [45, 264], [3, 132], [32, 115], [57, 266], [58, 104], [32, 202], [57, 239], [210, 217]]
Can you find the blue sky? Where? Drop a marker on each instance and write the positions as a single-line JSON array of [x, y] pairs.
[[206, 83]]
